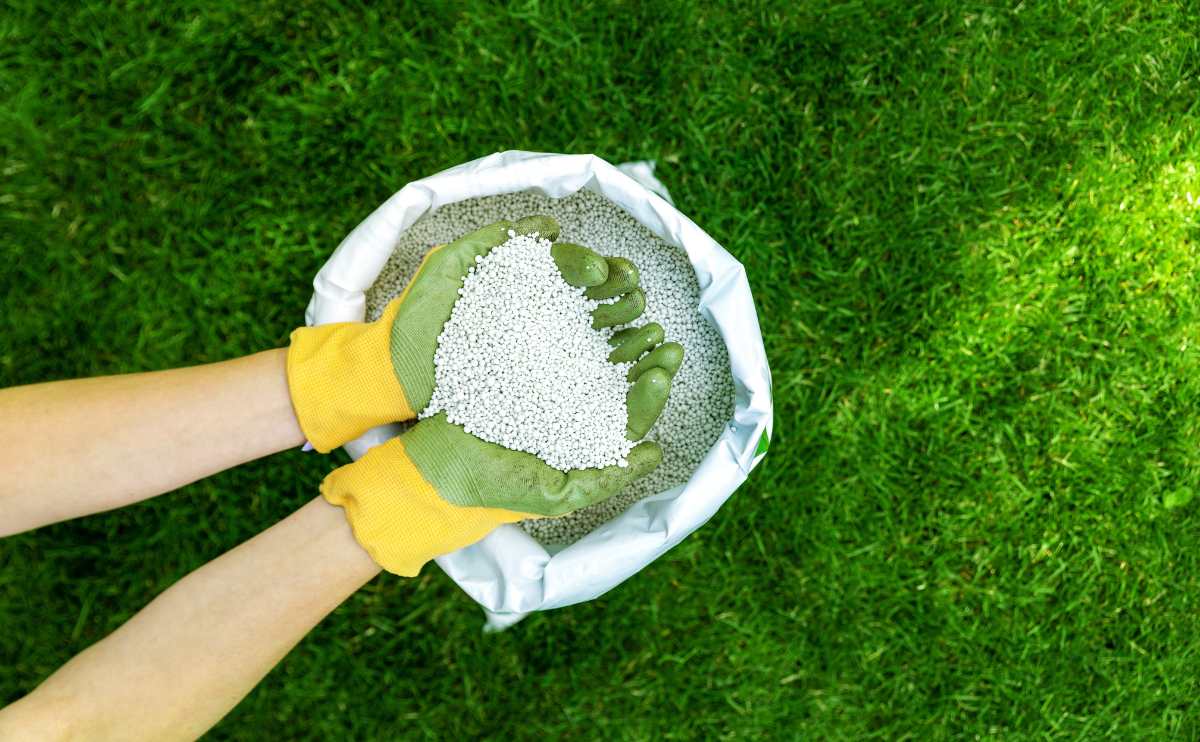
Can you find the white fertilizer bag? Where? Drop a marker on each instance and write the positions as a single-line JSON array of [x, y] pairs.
[[509, 573]]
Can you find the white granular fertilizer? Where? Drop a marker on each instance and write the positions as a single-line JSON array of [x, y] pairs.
[[519, 364], [701, 401]]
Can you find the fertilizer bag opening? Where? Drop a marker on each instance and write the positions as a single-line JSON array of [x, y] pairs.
[[717, 422]]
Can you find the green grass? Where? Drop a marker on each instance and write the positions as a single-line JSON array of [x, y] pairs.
[[974, 253]]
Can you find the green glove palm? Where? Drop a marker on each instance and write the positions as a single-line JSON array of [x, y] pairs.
[[469, 472]]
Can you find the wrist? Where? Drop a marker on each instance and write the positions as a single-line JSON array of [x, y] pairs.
[[39, 716], [398, 516], [342, 382]]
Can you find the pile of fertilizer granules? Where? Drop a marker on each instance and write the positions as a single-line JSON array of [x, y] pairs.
[[518, 363], [701, 401]]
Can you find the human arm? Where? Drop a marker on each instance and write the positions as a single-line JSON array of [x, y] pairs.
[[78, 447], [187, 658]]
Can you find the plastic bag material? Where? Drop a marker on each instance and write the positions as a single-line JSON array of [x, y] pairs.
[[508, 572]]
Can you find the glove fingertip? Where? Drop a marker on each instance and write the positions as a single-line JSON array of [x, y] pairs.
[[546, 227], [578, 265], [644, 458]]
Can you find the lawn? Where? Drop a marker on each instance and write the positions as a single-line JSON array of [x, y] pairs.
[[973, 234]]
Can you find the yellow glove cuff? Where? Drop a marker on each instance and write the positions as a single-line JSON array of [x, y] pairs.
[[397, 515], [342, 381]]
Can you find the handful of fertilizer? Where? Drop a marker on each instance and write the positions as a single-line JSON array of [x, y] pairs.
[[531, 362], [701, 400]]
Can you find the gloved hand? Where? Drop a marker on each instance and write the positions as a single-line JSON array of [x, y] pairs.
[[437, 488], [348, 377]]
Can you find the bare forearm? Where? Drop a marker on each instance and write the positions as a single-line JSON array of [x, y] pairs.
[[186, 659], [84, 446]]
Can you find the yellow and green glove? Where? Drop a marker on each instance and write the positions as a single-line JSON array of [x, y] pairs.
[[437, 488], [348, 377]]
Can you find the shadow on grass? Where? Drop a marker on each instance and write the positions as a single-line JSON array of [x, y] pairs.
[[987, 369]]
